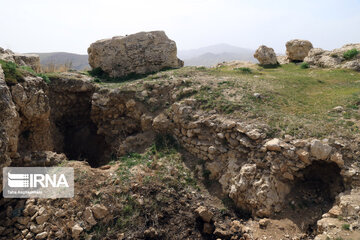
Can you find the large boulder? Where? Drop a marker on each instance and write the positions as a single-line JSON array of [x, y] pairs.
[[297, 50], [266, 55], [140, 53]]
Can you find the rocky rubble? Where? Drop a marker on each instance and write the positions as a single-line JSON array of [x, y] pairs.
[[37, 219], [140, 53], [318, 57]]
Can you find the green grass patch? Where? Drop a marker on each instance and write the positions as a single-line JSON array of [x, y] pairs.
[[13, 74], [28, 69], [346, 226]]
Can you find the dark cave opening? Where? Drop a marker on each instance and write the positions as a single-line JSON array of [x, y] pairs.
[[313, 194], [78, 133], [81, 142]]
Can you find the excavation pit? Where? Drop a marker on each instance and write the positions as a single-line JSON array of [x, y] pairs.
[[76, 134], [81, 142], [312, 194]]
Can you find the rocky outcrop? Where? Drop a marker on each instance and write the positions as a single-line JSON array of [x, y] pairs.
[[297, 50], [32, 103], [266, 55], [9, 123], [31, 60], [318, 57], [21, 59], [140, 53]]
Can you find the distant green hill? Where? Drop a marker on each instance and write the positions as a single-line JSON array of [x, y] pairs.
[[78, 61]]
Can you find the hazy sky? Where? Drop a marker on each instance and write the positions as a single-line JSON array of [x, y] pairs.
[[71, 25]]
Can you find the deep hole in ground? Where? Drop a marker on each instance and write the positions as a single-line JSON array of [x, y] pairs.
[[80, 140], [82, 143], [312, 194]]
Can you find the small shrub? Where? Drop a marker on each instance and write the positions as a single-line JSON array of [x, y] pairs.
[[97, 80], [98, 72], [334, 55], [304, 65], [350, 54], [346, 226], [44, 77], [245, 70]]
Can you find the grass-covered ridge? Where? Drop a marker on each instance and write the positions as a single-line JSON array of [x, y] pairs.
[[290, 98]]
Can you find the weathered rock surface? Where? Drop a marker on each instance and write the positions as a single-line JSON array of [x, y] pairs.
[[21, 59], [266, 55], [320, 150], [282, 60], [31, 60], [318, 57], [32, 102], [204, 213], [9, 123], [76, 230], [343, 219], [140, 53], [297, 50], [100, 211]]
